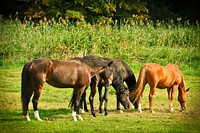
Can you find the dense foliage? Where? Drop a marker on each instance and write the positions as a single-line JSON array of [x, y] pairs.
[[95, 11], [135, 42]]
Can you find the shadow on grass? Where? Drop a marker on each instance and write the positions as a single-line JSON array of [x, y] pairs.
[[45, 114], [50, 114]]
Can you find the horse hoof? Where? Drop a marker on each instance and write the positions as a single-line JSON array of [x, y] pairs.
[[121, 111], [106, 113], [28, 119], [39, 119], [75, 119], [171, 110], [80, 117], [94, 115], [152, 111], [140, 111], [82, 111]]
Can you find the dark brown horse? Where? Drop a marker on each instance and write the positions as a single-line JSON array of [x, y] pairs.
[[61, 74], [121, 73], [157, 76]]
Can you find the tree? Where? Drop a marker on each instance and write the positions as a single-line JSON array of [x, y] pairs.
[[82, 10]]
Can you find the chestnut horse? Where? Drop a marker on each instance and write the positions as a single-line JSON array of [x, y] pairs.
[[158, 76], [61, 74]]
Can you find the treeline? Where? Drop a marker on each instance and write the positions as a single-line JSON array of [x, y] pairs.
[[97, 11]]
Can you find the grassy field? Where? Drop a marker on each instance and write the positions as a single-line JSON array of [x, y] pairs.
[[53, 108], [136, 43]]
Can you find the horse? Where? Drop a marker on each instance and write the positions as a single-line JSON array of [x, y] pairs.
[[57, 73], [158, 76], [106, 76], [121, 73]]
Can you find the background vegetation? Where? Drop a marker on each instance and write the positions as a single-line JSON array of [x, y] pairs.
[[137, 31], [136, 42], [95, 11]]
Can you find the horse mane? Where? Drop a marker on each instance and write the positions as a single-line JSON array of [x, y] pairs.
[[130, 79], [127, 76], [94, 61], [118, 84]]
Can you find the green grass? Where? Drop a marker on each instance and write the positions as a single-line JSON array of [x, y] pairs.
[[136, 43], [53, 108]]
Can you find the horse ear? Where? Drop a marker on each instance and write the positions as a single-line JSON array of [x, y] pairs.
[[187, 89], [110, 63]]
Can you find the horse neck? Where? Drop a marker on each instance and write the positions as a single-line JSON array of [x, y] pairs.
[[95, 70], [131, 81], [182, 87], [118, 83]]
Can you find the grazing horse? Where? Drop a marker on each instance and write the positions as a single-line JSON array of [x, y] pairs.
[[61, 74], [121, 73], [158, 76]]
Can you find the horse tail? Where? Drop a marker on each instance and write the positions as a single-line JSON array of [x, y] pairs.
[[24, 87], [135, 92], [72, 101]]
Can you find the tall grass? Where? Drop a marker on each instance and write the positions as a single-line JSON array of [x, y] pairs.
[[135, 42]]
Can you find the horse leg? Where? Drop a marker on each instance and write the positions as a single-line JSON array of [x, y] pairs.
[[140, 104], [91, 98], [35, 99], [100, 99], [78, 93], [118, 105], [75, 113], [152, 91], [171, 92], [26, 103], [83, 103], [106, 100]]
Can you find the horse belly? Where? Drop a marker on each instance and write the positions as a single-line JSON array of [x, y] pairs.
[[164, 84], [59, 84]]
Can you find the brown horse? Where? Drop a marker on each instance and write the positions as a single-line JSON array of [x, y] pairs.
[[106, 77], [61, 74], [157, 76]]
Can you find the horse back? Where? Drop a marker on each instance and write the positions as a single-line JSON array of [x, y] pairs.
[[70, 74], [62, 74], [175, 72], [163, 76], [123, 69]]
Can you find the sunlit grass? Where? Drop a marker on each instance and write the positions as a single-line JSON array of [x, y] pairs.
[[56, 115]]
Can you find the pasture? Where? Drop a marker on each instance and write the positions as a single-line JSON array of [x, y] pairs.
[[137, 43], [56, 115]]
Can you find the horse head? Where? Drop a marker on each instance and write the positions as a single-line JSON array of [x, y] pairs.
[[123, 98], [107, 75], [182, 97]]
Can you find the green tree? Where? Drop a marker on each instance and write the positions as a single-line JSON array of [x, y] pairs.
[[83, 10]]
